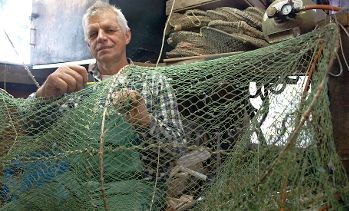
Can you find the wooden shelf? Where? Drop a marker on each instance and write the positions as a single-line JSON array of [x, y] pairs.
[[191, 59], [182, 5]]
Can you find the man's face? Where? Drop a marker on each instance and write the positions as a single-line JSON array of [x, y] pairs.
[[106, 38]]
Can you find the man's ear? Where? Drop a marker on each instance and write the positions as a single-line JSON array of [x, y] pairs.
[[128, 36]]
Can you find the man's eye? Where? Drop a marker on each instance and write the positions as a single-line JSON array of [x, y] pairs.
[[92, 35]]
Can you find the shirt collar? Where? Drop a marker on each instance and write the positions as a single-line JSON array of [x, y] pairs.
[[97, 76]]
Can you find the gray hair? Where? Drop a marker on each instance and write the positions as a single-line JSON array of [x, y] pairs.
[[101, 6]]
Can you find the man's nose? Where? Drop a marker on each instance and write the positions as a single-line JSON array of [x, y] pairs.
[[101, 35]]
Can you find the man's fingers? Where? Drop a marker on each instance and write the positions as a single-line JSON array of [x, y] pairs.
[[136, 97], [132, 105], [79, 79], [81, 71], [61, 86], [53, 87], [128, 100], [122, 101], [70, 81], [65, 79], [74, 76], [129, 95]]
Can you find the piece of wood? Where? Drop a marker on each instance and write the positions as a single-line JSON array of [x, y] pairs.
[[199, 58], [182, 5], [14, 73], [257, 3]]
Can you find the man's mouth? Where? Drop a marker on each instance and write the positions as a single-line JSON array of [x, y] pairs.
[[102, 48]]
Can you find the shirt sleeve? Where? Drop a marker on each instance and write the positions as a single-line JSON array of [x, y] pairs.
[[32, 96], [166, 125]]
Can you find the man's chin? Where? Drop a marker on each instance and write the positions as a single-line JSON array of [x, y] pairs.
[[104, 57], [103, 53]]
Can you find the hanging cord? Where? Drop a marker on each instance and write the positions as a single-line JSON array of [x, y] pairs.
[[164, 33], [342, 51], [157, 62], [24, 65], [340, 72]]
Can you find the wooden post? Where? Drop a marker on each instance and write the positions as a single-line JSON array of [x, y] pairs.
[[339, 98]]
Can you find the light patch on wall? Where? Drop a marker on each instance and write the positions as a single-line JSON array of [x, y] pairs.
[[15, 22]]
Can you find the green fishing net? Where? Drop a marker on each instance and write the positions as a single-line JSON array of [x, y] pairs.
[[254, 133]]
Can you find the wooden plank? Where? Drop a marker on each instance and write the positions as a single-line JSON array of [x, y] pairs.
[[12, 73], [182, 5], [199, 58], [257, 3]]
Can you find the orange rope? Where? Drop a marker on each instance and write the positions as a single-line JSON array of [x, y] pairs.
[[321, 7], [312, 67]]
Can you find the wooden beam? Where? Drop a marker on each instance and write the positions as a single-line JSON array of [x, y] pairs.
[[257, 3], [13, 73], [182, 5], [201, 57]]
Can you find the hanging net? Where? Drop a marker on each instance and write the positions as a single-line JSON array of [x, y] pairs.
[[252, 132], [224, 29]]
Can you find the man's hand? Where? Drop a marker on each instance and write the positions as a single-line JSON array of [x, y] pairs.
[[132, 104], [65, 79]]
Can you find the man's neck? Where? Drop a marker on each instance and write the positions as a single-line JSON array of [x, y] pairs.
[[111, 68]]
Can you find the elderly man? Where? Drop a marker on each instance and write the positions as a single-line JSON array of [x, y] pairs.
[[107, 35]]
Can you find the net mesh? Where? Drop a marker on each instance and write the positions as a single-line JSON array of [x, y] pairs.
[[224, 29], [253, 134]]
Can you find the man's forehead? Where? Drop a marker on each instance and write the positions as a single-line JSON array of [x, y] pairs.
[[107, 18]]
